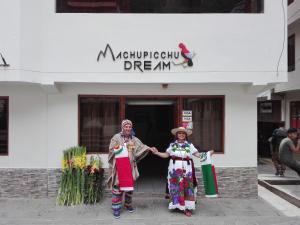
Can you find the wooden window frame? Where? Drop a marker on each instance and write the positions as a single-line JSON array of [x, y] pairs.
[[79, 125], [292, 61], [290, 122], [290, 2], [7, 118], [222, 97], [177, 112], [120, 7]]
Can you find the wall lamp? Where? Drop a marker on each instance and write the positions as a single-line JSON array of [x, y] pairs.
[[164, 86], [4, 64]]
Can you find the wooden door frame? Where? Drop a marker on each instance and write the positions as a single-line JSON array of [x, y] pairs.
[[178, 110], [6, 98], [147, 97]]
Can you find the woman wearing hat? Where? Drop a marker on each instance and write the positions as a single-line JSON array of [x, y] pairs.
[[181, 173]]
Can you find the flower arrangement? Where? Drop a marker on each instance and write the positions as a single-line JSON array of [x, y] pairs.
[[80, 182], [93, 181]]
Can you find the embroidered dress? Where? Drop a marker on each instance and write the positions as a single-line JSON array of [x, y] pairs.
[[180, 176]]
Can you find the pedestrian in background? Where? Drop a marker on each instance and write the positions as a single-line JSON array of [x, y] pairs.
[[277, 136], [289, 146]]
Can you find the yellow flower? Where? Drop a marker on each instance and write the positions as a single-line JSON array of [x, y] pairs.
[[64, 164], [80, 161]]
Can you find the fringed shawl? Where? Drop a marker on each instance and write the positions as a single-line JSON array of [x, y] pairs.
[[139, 152]]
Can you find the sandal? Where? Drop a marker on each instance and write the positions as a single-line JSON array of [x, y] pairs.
[[188, 213]]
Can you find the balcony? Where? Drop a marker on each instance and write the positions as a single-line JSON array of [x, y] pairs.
[[293, 12]]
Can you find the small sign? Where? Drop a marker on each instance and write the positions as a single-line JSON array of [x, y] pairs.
[[187, 119], [187, 113], [266, 107], [187, 125]]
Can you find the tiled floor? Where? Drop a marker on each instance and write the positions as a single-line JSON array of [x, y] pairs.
[[266, 173], [151, 184]]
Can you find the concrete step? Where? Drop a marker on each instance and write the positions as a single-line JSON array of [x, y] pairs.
[[284, 189]]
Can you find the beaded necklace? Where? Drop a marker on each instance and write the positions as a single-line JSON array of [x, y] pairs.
[[184, 147]]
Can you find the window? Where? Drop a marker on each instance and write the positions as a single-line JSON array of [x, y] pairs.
[[98, 122], [208, 122], [290, 2], [159, 6], [295, 115], [3, 125], [291, 53]]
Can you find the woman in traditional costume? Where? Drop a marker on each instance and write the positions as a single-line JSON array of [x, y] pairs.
[[125, 150], [181, 171]]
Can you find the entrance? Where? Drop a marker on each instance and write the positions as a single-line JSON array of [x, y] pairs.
[[152, 122]]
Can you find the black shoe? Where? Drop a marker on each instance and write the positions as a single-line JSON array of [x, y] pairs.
[[281, 174], [277, 173], [117, 214], [130, 209]]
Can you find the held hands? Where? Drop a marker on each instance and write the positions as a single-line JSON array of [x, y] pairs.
[[163, 155], [154, 150]]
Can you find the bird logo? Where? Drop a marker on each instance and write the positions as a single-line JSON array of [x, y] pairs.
[[187, 56]]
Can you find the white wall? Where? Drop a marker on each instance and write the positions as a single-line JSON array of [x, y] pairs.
[[62, 127], [10, 13], [27, 127], [63, 47], [31, 36], [42, 126]]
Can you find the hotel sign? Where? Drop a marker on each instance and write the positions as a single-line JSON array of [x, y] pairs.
[[137, 60], [187, 119]]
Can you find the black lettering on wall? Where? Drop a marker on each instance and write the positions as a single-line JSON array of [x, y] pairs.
[[103, 53]]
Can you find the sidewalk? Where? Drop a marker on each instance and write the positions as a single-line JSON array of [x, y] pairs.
[[268, 209], [283, 192], [148, 211], [287, 186]]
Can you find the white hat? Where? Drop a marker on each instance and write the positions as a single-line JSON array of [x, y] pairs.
[[182, 129]]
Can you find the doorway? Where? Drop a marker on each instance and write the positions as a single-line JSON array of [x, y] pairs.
[[152, 123]]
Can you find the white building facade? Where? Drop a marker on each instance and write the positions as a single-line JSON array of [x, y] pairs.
[[291, 90], [61, 89], [284, 98]]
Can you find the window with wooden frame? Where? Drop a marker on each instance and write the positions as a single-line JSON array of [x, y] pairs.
[[295, 115], [4, 125], [291, 53], [207, 122], [159, 6], [290, 2], [98, 121]]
